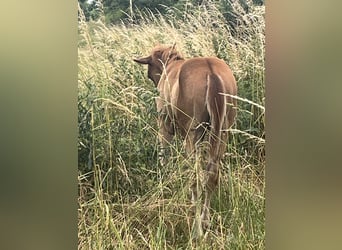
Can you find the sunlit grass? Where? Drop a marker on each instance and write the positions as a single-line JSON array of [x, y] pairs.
[[126, 201]]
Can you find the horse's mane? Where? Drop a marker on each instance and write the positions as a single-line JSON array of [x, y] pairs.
[[167, 53]]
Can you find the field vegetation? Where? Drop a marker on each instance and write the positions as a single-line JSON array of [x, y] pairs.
[[126, 199]]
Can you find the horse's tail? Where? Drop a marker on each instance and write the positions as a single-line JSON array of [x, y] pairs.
[[216, 106]]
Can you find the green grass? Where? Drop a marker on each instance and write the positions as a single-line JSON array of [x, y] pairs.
[[127, 201]]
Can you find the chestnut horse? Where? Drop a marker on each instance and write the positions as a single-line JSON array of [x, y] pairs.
[[191, 102]]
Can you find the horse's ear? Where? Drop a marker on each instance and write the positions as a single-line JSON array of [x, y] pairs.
[[173, 47], [143, 60]]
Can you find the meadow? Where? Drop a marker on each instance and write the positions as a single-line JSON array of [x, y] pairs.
[[126, 199]]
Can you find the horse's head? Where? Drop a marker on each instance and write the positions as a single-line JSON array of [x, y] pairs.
[[157, 61]]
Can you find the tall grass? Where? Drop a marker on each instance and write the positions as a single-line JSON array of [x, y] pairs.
[[127, 201]]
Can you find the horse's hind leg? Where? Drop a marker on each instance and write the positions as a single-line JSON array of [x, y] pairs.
[[196, 191], [212, 172], [195, 138], [193, 148]]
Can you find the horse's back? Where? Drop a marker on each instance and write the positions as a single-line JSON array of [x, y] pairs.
[[193, 85], [194, 73]]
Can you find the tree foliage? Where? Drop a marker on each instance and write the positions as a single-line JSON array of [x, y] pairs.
[[117, 10]]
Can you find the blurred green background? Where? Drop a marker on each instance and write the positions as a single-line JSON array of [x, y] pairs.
[[39, 124]]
